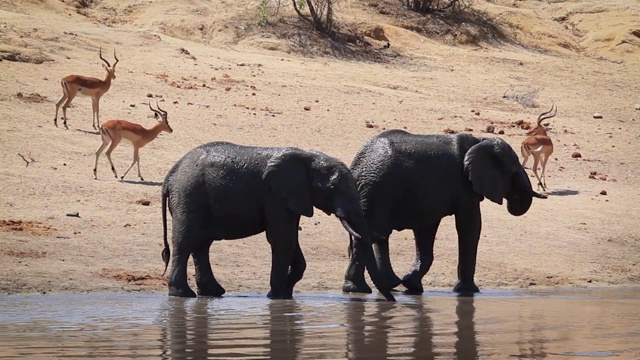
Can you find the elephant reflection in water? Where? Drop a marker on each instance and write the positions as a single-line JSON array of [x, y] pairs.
[[185, 335], [193, 330], [369, 332], [285, 332]]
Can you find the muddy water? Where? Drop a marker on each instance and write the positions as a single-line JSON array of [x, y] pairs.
[[554, 324]]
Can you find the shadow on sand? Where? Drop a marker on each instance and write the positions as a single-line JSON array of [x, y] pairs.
[[562, 192]]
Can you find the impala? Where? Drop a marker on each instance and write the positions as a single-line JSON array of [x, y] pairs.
[[94, 88], [540, 146], [113, 131]]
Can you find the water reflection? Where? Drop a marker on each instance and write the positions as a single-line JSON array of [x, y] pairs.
[[496, 325], [466, 343], [285, 329]]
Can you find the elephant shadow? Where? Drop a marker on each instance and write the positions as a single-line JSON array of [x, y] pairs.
[[194, 330], [370, 333]]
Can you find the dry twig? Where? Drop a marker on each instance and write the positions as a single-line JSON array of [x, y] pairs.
[[28, 159]]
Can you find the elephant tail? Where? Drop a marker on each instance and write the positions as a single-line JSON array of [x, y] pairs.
[[166, 253]]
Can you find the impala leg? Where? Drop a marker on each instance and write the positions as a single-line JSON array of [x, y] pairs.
[[536, 160], [62, 100], [114, 142], [136, 159], [544, 167], [105, 142], [70, 96], [525, 155], [94, 112]]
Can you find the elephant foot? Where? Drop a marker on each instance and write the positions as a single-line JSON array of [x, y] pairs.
[[282, 294], [413, 284], [214, 290], [466, 288], [181, 292], [351, 287]]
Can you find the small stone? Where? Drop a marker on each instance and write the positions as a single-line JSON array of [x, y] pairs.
[[597, 116], [501, 132], [307, 108], [73, 214], [143, 202], [477, 113], [149, 95], [603, 192], [490, 128], [519, 122], [576, 155], [637, 106], [603, 177], [227, 88]]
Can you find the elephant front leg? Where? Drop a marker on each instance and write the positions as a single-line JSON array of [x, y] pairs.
[[354, 276], [298, 266], [282, 234], [206, 282], [425, 237], [381, 252], [468, 225]]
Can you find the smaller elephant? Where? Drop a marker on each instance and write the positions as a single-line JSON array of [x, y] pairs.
[[408, 181], [224, 191]]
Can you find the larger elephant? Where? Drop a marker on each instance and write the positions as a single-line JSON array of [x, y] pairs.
[[224, 191], [409, 181]]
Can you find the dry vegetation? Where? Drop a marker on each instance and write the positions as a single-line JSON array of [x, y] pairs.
[[221, 76]]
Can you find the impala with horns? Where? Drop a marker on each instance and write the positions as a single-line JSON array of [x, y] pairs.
[[113, 131], [94, 88], [540, 146]]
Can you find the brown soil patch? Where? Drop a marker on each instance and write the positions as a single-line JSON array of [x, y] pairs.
[[31, 227]]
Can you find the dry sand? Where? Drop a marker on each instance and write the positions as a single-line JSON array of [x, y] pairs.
[[221, 77]]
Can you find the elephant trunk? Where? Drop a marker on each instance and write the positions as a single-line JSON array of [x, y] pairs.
[[521, 195], [363, 251]]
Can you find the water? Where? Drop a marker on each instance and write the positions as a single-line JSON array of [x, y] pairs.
[[554, 324]]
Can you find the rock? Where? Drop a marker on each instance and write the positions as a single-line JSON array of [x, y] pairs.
[[490, 129], [74, 214], [501, 132], [603, 192], [143, 202], [307, 108], [597, 116], [637, 106], [149, 95], [576, 155], [519, 122]]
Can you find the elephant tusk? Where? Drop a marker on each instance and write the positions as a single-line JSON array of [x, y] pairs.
[[350, 230]]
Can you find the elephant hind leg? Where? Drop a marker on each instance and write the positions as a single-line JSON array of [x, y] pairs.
[[178, 285], [205, 281]]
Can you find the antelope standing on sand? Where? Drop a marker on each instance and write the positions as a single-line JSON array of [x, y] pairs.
[[540, 146], [94, 88], [113, 131]]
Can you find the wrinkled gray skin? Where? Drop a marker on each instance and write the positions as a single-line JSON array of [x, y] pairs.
[[224, 191], [408, 181]]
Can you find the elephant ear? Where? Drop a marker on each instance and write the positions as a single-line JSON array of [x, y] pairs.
[[286, 175], [486, 164]]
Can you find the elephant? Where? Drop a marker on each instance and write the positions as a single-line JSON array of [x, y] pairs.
[[225, 191], [409, 181]]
